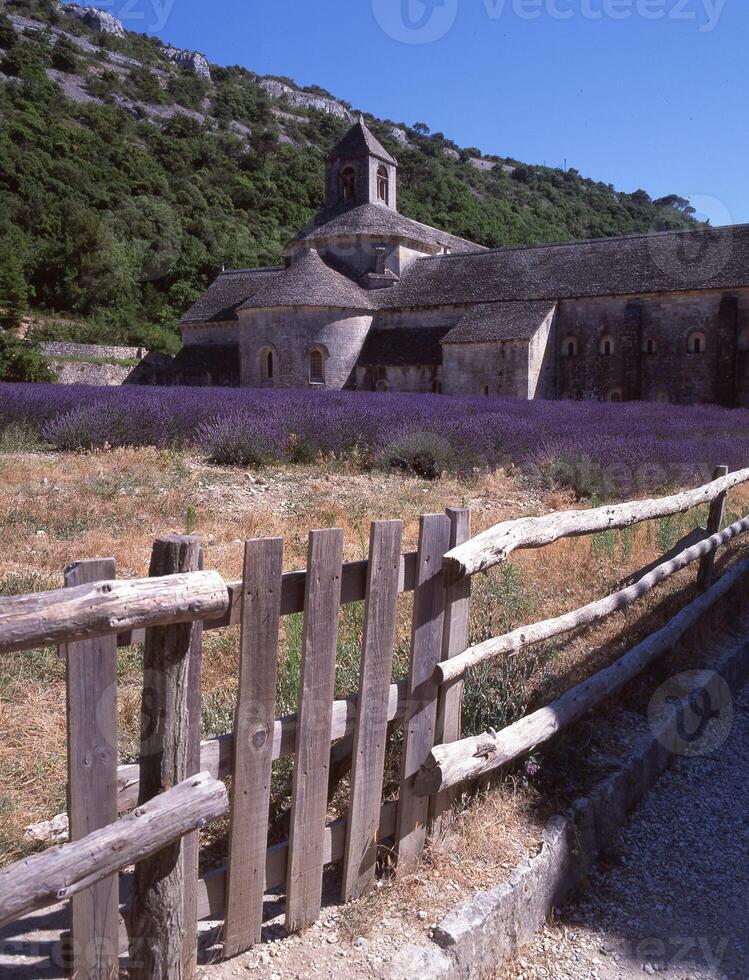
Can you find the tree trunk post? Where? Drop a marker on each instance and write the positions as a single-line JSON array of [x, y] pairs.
[[714, 524], [163, 920]]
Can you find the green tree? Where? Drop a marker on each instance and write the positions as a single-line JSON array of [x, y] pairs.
[[14, 291], [7, 31], [65, 56], [22, 361]]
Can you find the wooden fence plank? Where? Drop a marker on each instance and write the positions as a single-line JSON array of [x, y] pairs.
[[253, 743], [454, 642], [715, 522], [316, 691], [421, 698], [91, 679], [216, 753], [164, 910], [370, 733]]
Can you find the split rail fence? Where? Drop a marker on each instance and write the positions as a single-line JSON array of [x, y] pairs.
[[148, 815]]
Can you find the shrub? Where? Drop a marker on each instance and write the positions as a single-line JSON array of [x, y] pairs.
[[238, 440], [423, 454], [579, 473], [21, 361]]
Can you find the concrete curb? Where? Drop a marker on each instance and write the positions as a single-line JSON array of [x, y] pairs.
[[480, 933]]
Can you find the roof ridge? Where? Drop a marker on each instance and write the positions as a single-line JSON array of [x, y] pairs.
[[258, 268], [634, 236]]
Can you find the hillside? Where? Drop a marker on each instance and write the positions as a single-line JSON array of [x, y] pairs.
[[131, 172]]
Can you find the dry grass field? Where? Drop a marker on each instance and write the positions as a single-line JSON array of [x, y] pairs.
[[60, 507]]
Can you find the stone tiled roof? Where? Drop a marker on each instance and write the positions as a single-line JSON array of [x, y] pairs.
[[630, 265], [378, 221], [417, 345], [666, 262], [359, 141], [308, 281], [227, 293], [499, 321]]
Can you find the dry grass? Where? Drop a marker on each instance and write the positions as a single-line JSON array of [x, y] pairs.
[[55, 508]]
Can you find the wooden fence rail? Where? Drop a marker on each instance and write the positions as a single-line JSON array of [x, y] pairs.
[[526, 636], [450, 765], [495, 545], [169, 612], [60, 872]]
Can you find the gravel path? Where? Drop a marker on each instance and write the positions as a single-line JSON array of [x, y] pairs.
[[672, 897]]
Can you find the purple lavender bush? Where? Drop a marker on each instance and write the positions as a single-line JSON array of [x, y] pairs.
[[589, 447]]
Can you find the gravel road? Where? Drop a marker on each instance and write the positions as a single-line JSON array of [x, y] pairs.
[[671, 898]]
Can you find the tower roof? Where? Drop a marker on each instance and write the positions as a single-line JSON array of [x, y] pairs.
[[308, 281], [359, 141]]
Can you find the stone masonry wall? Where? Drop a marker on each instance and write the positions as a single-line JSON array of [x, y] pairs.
[[59, 348], [291, 334], [498, 369], [650, 357]]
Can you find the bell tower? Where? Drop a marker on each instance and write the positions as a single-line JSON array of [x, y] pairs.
[[359, 170]]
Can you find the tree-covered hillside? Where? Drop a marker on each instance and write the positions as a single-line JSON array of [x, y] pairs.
[[127, 182]]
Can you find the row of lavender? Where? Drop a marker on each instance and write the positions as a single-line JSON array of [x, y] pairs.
[[631, 447]]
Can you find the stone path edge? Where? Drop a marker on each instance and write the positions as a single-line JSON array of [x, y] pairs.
[[481, 932]]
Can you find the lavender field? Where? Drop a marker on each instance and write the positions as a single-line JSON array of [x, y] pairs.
[[587, 446]]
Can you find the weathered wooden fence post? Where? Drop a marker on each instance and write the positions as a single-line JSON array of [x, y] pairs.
[[454, 642], [421, 698], [91, 678], [163, 919], [309, 799], [714, 524], [370, 733], [253, 743]]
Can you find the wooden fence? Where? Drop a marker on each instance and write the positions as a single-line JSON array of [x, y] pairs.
[[175, 788]]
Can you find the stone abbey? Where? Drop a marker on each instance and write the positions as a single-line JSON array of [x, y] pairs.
[[371, 300]]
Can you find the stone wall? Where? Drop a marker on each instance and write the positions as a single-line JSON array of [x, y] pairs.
[[498, 369], [82, 373], [650, 356], [410, 379], [92, 364], [290, 335], [60, 348], [213, 333]]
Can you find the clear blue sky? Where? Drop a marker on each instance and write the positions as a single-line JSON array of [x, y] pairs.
[[637, 93]]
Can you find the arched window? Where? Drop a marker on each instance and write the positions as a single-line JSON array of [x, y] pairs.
[[697, 343], [383, 185], [485, 390], [615, 395], [348, 184], [606, 346], [267, 366], [569, 347], [316, 367], [649, 346]]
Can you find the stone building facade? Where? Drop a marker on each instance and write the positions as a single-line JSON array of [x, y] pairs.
[[371, 300]]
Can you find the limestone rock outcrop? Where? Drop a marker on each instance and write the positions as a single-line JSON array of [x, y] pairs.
[[192, 61], [304, 100], [100, 20]]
